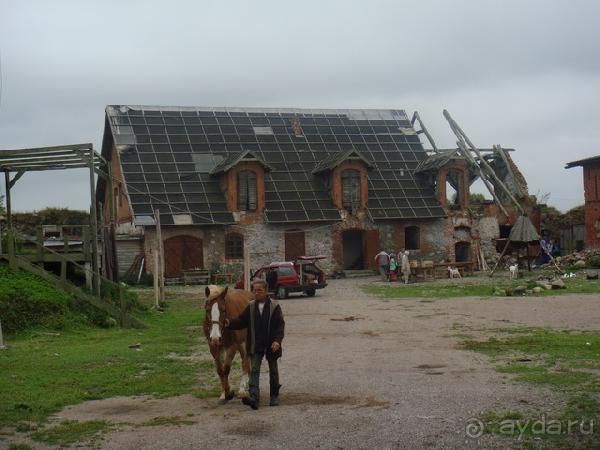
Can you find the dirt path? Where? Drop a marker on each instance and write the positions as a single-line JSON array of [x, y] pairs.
[[393, 378]]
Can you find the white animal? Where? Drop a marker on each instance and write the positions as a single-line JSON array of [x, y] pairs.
[[454, 272], [514, 271]]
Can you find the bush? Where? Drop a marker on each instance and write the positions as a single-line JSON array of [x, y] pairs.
[[594, 262]]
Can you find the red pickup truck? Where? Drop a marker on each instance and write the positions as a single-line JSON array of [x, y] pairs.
[[301, 275]]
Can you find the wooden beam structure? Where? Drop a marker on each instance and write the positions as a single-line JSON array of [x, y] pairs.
[[77, 156]]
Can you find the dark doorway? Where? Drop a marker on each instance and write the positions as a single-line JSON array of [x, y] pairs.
[[352, 241], [462, 252], [294, 244], [182, 253], [505, 231]]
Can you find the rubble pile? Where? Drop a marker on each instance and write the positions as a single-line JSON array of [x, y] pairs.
[[578, 259]]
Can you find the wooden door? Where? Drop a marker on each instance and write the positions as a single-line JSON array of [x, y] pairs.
[[182, 253], [372, 248], [295, 244]]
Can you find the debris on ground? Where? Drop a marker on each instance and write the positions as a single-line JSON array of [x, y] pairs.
[[346, 319]]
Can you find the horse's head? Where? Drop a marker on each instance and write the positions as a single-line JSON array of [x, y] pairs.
[[215, 312]]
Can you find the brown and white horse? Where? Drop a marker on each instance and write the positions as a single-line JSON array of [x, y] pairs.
[[224, 343]]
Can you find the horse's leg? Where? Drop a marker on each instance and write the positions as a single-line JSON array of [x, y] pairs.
[[218, 355], [246, 367], [227, 355]]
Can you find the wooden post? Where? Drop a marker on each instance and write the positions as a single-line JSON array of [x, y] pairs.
[[161, 256], [2, 346], [501, 255], [94, 227], [112, 204], [247, 286], [122, 305], [40, 241], [8, 202], [156, 282], [63, 261]]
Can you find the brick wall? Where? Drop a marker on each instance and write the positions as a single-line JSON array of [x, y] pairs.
[[591, 186]]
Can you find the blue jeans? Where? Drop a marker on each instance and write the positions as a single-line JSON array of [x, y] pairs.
[[255, 376]]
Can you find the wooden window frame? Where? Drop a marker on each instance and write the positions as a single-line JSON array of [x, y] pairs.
[[234, 246], [244, 191], [356, 178]]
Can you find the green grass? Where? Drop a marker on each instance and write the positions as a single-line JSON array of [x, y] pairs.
[[40, 374], [567, 361], [559, 358], [70, 431], [480, 287]]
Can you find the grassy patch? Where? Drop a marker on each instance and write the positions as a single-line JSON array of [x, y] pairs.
[[171, 420], [70, 431], [19, 446], [42, 373], [565, 360], [480, 287]]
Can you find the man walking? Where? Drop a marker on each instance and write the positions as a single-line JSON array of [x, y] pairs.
[[383, 261], [264, 319]]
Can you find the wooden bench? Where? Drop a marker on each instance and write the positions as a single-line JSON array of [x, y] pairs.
[[198, 276]]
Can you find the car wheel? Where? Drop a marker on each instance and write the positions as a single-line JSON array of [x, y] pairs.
[[282, 292], [310, 292]]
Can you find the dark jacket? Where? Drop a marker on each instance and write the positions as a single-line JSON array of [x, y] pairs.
[[274, 328]]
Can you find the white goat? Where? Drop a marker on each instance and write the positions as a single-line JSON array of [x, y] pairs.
[[454, 272], [514, 271]]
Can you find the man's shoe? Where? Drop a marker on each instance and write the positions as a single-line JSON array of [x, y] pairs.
[[274, 400], [250, 401]]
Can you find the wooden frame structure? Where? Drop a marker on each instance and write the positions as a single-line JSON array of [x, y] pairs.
[[77, 156]]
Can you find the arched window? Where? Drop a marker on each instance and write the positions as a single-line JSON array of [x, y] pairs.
[[412, 238], [234, 246], [351, 189], [247, 190]]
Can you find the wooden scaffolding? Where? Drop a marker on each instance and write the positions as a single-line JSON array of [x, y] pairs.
[[14, 164]]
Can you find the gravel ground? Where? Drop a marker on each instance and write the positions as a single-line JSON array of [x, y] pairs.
[[392, 378]]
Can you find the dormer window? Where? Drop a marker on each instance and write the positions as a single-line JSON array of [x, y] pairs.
[[345, 173], [351, 189], [246, 190]]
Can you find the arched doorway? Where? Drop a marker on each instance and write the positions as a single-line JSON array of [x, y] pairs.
[[352, 246], [462, 252], [295, 244], [182, 253]]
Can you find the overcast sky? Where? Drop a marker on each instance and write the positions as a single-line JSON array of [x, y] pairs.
[[523, 74]]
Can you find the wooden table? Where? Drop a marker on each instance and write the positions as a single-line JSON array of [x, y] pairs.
[[222, 277]]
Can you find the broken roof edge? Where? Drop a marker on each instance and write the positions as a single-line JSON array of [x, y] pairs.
[[583, 162]]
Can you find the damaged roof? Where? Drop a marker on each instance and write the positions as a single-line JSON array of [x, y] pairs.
[[171, 156]]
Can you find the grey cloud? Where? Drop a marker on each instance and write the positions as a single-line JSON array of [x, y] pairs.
[[521, 74]]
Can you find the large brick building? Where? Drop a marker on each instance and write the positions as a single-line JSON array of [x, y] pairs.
[[591, 187], [284, 182]]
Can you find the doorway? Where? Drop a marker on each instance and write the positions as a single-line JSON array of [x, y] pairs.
[[295, 244], [182, 253], [462, 252], [352, 246]]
